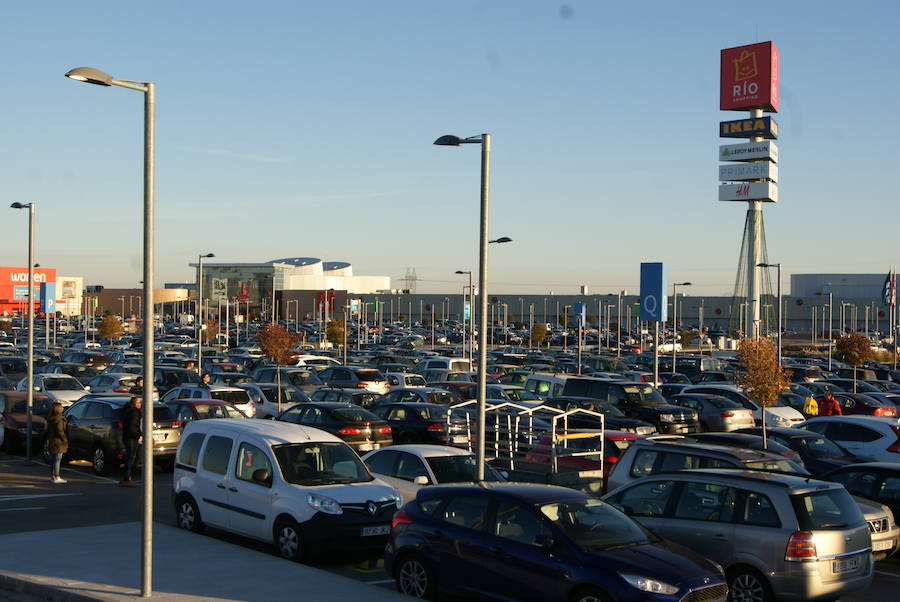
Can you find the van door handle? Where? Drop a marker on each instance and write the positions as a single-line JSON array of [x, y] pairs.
[[720, 537], [221, 486], [232, 489]]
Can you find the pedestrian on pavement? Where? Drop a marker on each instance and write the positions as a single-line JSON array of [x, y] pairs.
[[57, 441], [138, 387], [131, 436], [829, 406]]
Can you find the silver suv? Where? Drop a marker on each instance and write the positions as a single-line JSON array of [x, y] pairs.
[[777, 536]]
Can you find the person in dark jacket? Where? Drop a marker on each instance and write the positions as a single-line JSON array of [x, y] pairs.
[[138, 387], [57, 441], [131, 436]]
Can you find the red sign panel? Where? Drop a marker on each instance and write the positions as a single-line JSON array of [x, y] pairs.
[[749, 78], [14, 286]]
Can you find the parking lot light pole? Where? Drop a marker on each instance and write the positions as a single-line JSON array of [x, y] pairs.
[[97, 77], [778, 288], [675, 286], [29, 396], [200, 325], [485, 141]]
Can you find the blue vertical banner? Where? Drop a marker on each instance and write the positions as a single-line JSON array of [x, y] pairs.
[[653, 292], [578, 314], [467, 312], [47, 296]]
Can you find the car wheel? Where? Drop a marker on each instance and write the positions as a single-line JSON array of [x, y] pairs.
[[747, 585], [590, 595], [187, 515], [414, 577], [289, 540], [100, 460]]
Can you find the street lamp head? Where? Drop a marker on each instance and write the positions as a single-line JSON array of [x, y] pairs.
[[463, 272], [451, 140], [18, 205], [502, 239], [90, 76], [208, 255]]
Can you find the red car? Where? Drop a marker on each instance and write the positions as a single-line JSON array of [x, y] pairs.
[[614, 444], [860, 403]]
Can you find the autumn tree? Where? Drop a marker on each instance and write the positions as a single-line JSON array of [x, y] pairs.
[[209, 332], [111, 329], [334, 330], [854, 349], [5, 325], [538, 334], [276, 343], [761, 378]]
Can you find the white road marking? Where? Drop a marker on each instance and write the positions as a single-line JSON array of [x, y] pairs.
[[15, 509], [888, 573], [381, 582], [10, 498]]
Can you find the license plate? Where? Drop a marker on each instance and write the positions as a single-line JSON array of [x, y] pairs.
[[369, 531], [848, 564], [159, 438], [366, 447], [879, 546], [460, 439]]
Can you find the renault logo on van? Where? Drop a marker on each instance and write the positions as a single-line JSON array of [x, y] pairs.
[[372, 508]]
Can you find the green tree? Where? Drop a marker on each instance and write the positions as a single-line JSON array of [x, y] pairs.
[[761, 378], [334, 330], [854, 349], [276, 343], [111, 329], [538, 334]]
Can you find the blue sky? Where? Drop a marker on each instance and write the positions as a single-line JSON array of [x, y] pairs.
[[305, 128]]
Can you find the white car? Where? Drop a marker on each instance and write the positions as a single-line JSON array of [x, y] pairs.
[[408, 468], [868, 437], [404, 379], [115, 382], [239, 398], [777, 416], [58, 387], [300, 488]]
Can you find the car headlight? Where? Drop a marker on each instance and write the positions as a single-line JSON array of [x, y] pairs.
[[645, 430], [667, 417], [646, 584], [323, 504], [398, 499]]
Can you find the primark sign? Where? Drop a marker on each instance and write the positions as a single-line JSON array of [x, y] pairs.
[[755, 170]]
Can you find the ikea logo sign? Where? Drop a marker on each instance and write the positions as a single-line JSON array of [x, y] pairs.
[[749, 128]]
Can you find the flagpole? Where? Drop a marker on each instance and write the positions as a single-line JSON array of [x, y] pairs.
[[893, 303]]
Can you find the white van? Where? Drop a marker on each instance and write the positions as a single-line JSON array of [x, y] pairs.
[[298, 487], [461, 364]]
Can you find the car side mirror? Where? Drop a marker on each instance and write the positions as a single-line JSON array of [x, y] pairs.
[[262, 476], [87, 387], [38, 389], [420, 480]]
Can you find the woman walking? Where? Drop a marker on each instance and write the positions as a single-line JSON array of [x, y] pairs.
[[57, 442]]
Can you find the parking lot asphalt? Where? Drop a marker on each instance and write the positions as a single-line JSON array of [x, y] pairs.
[[81, 540]]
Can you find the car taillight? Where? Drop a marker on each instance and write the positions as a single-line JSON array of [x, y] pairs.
[[612, 459], [361, 385], [726, 415], [346, 430], [895, 446], [400, 518], [436, 426], [800, 546], [885, 411], [384, 430], [120, 390], [176, 424], [119, 425]]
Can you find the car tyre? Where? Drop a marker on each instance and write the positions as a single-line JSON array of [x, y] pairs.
[[590, 594], [100, 460], [289, 540], [187, 515], [414, 577], [748, 585]]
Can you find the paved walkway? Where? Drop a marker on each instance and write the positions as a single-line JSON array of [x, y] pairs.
[[103, 563]]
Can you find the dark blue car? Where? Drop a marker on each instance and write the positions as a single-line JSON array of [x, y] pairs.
[[541, 543]]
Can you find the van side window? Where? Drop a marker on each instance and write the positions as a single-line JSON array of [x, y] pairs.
[[217, 454], [190, 449], [702, 501], [251, 459]]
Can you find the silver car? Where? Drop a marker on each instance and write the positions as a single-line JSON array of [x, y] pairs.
[[777, 536], [716, 413]]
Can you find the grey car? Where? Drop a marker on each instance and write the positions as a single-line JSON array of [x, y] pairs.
[[777, 536], [716, 413]]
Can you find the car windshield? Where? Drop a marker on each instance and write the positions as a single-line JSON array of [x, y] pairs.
[[441, 398], [325, 463], [458, 469], [217, 411], [644, 395], [595, 525], [287, 394], [832, 509], [724, 402], [297, 378], [41, 407], [241, 396], [346, 415], [62, 384], [820, 447], [865, 387], [522, 395], [79, 370], [369, 375], [429, 412]]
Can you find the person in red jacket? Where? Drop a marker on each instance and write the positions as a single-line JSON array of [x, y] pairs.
[[829, 406]]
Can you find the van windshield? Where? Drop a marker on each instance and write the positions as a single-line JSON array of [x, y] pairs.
[[323, 463]]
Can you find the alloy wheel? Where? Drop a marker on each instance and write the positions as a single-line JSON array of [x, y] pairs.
[[412, 578], [747, 588]]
